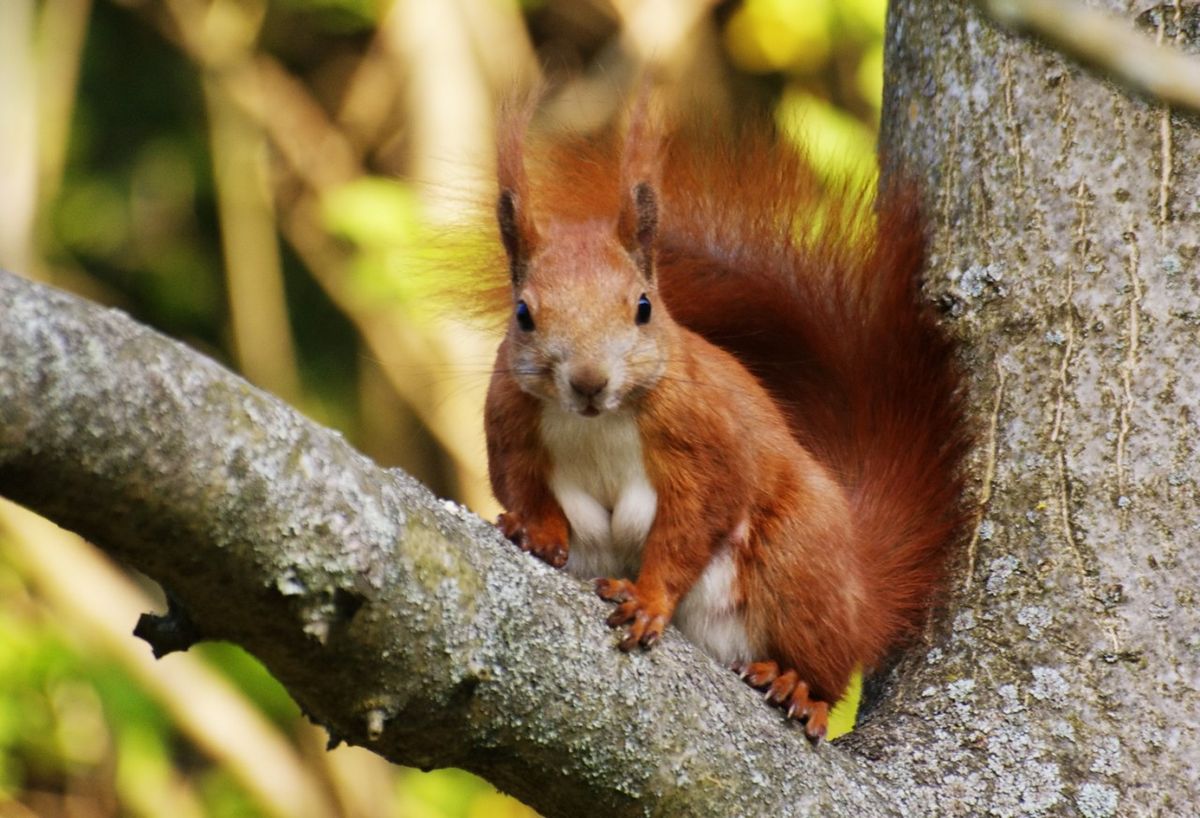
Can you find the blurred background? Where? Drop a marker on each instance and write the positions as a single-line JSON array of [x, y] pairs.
[[261, 179]]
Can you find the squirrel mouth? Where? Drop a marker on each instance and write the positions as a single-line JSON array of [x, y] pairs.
[[589, 411]]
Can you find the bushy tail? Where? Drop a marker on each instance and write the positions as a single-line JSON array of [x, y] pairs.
[[818, 294]]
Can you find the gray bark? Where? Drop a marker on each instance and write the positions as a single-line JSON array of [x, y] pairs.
[[1062, 680], [1065, 232]]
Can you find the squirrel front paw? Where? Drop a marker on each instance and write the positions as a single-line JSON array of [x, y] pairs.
[[547, 542], [646, 618]]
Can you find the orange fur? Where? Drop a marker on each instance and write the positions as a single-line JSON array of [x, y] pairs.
[[796, 406]]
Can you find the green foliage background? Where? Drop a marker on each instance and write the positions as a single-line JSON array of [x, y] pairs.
[[242, 174]]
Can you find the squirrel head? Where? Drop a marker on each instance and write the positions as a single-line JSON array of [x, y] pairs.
[[588, 332]]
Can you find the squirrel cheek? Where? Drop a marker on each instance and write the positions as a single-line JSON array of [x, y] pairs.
[[533, 374], [643, 367]]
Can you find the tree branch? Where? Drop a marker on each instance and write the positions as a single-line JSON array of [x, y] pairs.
[[1106, 42], [397, 621]]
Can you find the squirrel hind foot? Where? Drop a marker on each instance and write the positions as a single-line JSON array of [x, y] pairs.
[[786, 690]]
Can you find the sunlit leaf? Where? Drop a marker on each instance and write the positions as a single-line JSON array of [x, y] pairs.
[[373, 212], [498, 805], [844, 713], [439, 794], [864, 17], [780, 35], [143, 765], [870, 76], [840, 147], [252, 678], [346, 15], [92, 217], [224, 798], [80, 729]]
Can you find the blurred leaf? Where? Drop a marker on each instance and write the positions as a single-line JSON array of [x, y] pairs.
[[92, 217], [340, 15], [373, 212], [498, 805], [143, 766], [382, 218], [870, 77], [840, 147], [780, 35], [445, 793], [125, 701], [401, 259], [224, 798], [863, 19], [253, 679], [11, 775], [453, 794], [80, 729], [182, 285]]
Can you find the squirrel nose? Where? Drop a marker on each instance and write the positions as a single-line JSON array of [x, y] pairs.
[[588, 382]]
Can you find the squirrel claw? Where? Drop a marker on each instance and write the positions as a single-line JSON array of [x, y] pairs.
[[645, 625], [759, 674], [817, 722], [625, 613], [785, 689], [644, 631]]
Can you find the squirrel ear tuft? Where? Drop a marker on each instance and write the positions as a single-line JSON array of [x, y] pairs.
[[641, 164], [510, 231], [513, 213], [638, 226], [516, 232]]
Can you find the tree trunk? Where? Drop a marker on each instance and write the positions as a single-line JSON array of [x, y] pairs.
[[1062, 678], [1064, 238]]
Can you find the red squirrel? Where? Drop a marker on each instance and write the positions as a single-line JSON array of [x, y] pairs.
[[720, 392]]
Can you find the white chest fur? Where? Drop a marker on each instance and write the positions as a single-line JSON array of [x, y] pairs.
[[710, 614], [599, 479]]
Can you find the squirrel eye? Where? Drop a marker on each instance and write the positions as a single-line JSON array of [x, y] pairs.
[[643, 310], [524, 318]]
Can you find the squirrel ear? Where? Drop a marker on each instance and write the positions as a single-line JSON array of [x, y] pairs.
[[638, 226], [513, 212], [516, 232]]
